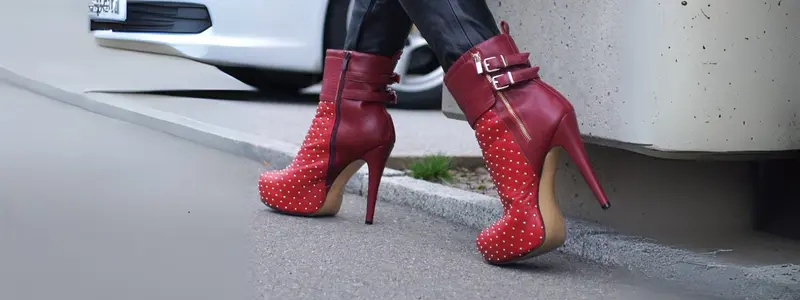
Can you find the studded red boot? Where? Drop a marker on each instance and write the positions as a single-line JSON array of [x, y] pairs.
[[351, 127], [519, 122]]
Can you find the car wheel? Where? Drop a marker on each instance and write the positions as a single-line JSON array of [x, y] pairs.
[[421, 76], [271, 80]]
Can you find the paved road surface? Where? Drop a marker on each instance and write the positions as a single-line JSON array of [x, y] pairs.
[[419, 132], [94, 208]]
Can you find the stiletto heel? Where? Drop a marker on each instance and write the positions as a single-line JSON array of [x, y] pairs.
[[519, 121], [568, 137], [376, 162]]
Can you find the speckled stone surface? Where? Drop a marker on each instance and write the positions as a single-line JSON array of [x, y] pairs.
[[696, 77]]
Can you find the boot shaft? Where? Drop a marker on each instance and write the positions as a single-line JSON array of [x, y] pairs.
[[357, 86]]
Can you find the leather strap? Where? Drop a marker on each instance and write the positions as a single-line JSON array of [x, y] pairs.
[[496, 67], [504, 80], [363, 87], [497, 63], [371, 81], [388, 96], [372, 78]]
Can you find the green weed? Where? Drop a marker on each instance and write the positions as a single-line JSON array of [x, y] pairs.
[[435, 168]]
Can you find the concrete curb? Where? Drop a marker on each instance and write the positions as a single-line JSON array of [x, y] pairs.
[[698, 272]]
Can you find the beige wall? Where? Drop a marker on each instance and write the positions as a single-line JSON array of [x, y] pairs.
[[637, 71]]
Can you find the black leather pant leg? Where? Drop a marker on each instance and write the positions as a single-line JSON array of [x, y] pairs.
[[452, 27], [377, 27]]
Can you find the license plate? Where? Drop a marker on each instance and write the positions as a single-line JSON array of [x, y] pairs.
[[108, 10]]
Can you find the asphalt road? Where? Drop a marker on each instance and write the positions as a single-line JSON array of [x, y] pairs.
[[94, 208]]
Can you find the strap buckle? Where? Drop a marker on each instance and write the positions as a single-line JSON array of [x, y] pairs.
[[503, 87], [488, 59], [393, 96], [395, 79]]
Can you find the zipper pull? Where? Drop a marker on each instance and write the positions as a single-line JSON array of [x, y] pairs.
[[477, 58]]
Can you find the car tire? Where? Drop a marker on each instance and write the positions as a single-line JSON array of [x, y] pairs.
[[271, 80], [429, 97]]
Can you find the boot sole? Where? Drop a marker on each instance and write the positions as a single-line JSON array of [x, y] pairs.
[[333, 200], [555, 232]]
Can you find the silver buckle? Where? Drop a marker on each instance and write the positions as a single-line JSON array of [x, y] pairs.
[[392, 92], [486, 63], [495, 82]]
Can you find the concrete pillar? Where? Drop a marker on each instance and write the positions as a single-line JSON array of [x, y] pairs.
[[670, 76], [669, 79]]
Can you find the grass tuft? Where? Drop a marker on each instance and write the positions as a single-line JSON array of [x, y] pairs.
[[435, 168]]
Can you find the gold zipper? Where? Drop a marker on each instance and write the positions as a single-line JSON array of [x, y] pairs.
[[479, 67]]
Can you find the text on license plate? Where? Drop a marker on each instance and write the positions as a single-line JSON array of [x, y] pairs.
[[115, 10]]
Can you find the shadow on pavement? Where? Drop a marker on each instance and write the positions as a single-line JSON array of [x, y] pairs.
[[270, 96], [231, 95]]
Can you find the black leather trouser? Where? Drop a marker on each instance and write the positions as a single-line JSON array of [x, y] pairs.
[[451, 27]]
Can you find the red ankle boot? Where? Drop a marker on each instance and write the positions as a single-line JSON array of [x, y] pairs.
[[519, 122], [351, 127]]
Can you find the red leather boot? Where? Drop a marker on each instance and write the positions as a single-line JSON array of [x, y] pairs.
[[519, 122], [351, 127]]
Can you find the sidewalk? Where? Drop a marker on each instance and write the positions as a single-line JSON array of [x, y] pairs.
[[418, 132], [62, 62]]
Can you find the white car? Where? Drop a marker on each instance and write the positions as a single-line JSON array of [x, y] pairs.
[[268, 44]]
